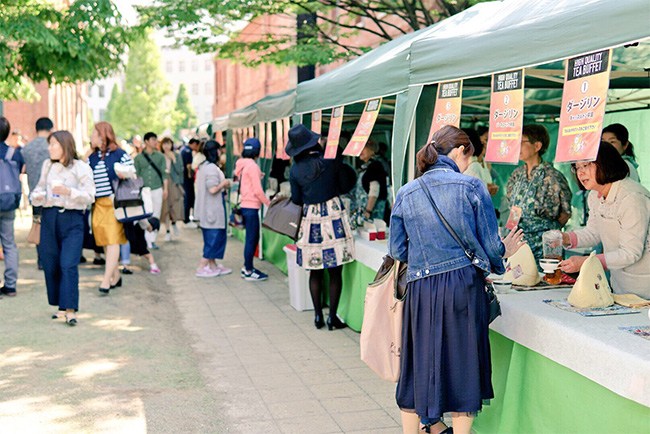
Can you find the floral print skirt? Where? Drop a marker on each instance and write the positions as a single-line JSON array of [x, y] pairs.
[[325, 239]]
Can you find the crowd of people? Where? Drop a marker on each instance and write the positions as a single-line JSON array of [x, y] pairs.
[[445, 318]]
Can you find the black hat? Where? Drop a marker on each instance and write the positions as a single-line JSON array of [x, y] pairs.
[[301, 139]]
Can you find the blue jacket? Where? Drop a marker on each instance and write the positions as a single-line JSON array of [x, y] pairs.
[[418, 237]]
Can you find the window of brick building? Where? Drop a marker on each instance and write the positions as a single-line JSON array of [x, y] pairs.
[[102, 91], [181, 66], [208, 65], [195, 65], [208, 88], [195, 88]]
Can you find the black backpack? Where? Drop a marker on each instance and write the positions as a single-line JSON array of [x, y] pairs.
[[10, 187]]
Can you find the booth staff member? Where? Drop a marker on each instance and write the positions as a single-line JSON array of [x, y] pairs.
[[372, 191], [537, 192], [619, 217], [618, 136]]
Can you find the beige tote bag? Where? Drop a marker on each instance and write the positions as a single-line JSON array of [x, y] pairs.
[[381, 332]]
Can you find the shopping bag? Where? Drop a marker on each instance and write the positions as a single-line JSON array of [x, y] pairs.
[[34, 235], [125, 214], [236, 218], [283, 217], [381, 333]]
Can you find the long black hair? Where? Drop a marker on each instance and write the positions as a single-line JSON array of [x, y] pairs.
[[211, 150]]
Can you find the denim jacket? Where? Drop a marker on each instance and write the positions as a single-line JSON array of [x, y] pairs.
[[418, 237]]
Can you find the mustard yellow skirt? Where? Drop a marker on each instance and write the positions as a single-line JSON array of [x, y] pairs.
[[106, 229]]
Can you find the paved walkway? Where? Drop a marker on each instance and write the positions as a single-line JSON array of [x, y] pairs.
[[175, 353]]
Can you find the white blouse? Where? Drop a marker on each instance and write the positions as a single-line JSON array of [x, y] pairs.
[[78, 177]]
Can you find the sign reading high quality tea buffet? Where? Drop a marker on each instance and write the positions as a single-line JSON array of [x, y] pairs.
[[336, 121], [364, 128], [447, 108], [583, 107], [506, 117]]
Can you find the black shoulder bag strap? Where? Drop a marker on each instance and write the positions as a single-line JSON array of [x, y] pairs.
[[494, 308], [144, 153], [470, 254]]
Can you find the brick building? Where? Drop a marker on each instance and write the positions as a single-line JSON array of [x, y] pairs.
[[65, 104], [238, 86]]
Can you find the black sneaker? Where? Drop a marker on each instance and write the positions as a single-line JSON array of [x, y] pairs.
[[253, 275], [9, 292], [125, 270], [99, 261], [83, 260]]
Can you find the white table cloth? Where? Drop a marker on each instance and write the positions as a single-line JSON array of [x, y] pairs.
[[594, 347]]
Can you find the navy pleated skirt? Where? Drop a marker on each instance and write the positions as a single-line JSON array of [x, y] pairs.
[[445, 347]]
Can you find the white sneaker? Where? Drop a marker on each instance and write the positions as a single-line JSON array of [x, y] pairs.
[[168, 236], [191, 225], [175, 230]]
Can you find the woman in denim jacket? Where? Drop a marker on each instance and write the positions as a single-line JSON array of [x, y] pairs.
[[445, 349]]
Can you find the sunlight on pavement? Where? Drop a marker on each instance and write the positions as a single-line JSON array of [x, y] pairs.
[[20, 355], [116, 325], [39, 414], [87, 370]]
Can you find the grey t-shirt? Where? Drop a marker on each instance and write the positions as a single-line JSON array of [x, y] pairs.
[[35, 153]]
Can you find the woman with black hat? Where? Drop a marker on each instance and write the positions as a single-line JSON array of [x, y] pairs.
[[325, 239]]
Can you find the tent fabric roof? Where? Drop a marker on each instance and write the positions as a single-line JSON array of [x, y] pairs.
[[519, 33], [270, 108], [380, 72]]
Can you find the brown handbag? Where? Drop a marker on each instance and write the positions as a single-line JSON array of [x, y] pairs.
[[381, 333], [283, 217], [34, 235]]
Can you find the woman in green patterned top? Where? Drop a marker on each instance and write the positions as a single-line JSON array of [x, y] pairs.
[[541, 192]]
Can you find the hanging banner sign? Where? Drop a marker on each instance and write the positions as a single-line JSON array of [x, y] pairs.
[[506, 117], [336, 121], [261, 135], [364, 128], [280, 153], [316, 121], [237, 142], [269, 140], [447, 108], [583, 107]]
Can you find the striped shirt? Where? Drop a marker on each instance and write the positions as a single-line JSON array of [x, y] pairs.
[[100, 175]]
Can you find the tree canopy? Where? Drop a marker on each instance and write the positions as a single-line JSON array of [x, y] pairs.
[[212, 26], [185, 111], [42, 41], [145, 103]]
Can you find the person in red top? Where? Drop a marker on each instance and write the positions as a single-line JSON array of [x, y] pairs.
[[251, 198]]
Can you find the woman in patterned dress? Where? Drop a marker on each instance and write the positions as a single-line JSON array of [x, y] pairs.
[[325, 239], [539, 191]]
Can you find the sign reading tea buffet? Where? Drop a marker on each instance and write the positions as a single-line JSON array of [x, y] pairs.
[[447, 108], [334, 132], [583, 107], [364, 128], [506, 117], [316, 121]]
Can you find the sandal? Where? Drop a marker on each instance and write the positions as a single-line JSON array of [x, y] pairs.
[[70, 321]]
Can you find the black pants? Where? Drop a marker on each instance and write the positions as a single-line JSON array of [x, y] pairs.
[[188, 186]]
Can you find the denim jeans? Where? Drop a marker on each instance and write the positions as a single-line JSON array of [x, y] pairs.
[[9, 248], [252, 225], [214, 243]]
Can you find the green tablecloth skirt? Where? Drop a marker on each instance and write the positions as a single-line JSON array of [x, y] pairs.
[[533, 394]]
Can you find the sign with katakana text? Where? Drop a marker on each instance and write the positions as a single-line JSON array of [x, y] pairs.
[[447, 108], [336, 121], [506, 117], [583, 107], [364, 128]]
